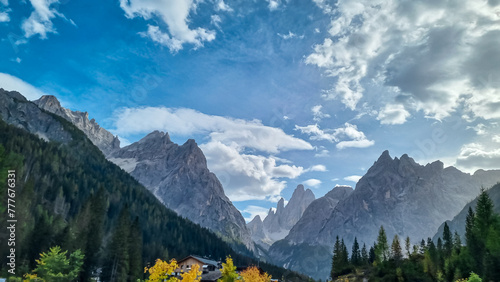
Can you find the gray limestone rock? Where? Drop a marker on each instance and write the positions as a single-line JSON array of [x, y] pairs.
[[102, 138], [15, 109]]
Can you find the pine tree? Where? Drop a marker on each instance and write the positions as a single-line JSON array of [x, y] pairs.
[[396, 251], [469, 226], [355, 254], [457, 243], [447, 241], [117, 267], [382, 247], [422, 248], [135, 251], [408, 246], [364, 255], [372, 255], [336, 260]]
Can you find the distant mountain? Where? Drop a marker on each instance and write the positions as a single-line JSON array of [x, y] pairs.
[[458, 222], [177, 175], [304, 257], [277, 224], [408, 199]]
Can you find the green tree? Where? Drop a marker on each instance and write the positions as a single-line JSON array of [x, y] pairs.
[[382, 247], [408, 246], [356, 253], [447, 241], [396, 251], [364, 255], [56, 266]]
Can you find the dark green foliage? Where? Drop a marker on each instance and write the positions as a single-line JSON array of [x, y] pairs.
[[396, 251], [382, 248], [356, 253], [447, 241]]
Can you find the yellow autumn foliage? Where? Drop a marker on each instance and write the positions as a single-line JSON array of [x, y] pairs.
[[161, 271], [252, 274]]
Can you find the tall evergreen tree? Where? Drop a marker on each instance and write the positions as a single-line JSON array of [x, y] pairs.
[[422, 248], [396, 251], [364, 255], [117, 268], [408, 246], [355, 254], [469, 226], [457, 243], [447, 241], [382, 249], [135, 252]]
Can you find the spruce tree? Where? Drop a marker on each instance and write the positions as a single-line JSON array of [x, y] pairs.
[[457, 243], [364, 255], [355, 254], [396, 251], [382, 248], [408, 246], [447, 241]]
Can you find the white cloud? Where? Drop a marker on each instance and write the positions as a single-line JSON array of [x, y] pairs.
[[290, 35], [478, 156], [393, 114], [323, 153], [355, 138], [353, 178], [312, 182], [479, 128], [318, 114], [221, 6], [496, 138], [4, 17], [4, 2], [427, 56], [175, 14], [273, 4], [253, 211], [187, 122], [215, 20], [317, 168], [40, 20], [248, 177], [12, 83]]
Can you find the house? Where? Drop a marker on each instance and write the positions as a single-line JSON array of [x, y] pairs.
[[210, 268]]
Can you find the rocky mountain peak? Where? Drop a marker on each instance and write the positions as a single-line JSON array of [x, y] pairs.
[[48, 102], [281, 206], [102, 138]]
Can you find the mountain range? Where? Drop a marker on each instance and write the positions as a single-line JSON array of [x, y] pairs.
[[407, 198]]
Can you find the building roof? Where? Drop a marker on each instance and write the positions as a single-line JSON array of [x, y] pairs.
[[211, 276], [205, 261]]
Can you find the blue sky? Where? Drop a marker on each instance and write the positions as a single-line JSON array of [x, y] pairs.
[[275, 92]]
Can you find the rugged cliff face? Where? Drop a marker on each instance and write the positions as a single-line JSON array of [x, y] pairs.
[[179, 177], [102, 138], [408, 199], [277, 224], [17, 110]]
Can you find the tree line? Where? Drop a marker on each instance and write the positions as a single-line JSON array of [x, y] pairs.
[[447, 259]]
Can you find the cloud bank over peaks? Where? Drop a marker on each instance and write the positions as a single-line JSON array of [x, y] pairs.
[[175, 15], [240, 152], [434, 57]]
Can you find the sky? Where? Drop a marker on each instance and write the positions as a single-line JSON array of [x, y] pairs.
[[275, 92]]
